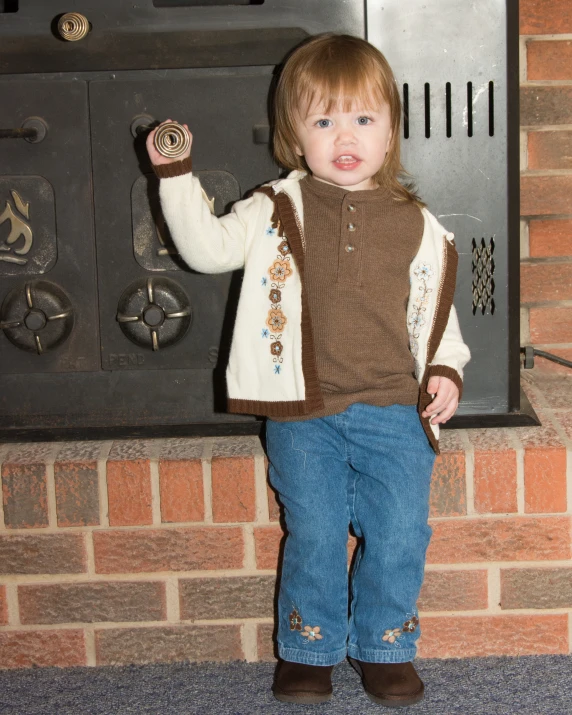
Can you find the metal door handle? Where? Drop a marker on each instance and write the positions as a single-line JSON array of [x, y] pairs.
[[33, 130], [171, 139], [73, 26]]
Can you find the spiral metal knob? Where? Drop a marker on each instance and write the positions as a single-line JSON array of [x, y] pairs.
[[172, 140], [72, 26]]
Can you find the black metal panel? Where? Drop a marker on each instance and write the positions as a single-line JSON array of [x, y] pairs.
[[139, 35], [53, 178]]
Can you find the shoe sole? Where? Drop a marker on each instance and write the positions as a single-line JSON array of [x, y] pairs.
[[302, 698], [390, 702]]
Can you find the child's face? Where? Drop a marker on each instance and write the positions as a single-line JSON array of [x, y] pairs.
[[345, 149]]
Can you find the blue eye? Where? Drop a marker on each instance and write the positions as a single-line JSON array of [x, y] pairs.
[[323, 123], [363, 120]]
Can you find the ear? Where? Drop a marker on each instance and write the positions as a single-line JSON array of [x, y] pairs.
[[298, 150], [389, 141]]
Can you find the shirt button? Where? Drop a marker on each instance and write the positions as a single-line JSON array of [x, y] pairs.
[[351, 208], [349, 248], [351, 227]]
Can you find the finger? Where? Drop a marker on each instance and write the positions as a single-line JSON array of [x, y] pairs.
[[433, 385], [446, 413]]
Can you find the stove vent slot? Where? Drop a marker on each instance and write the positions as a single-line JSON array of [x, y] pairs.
[[427, 110], [8, 6], [468, 115]]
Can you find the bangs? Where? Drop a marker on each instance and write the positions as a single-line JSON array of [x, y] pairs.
[[333, 83]]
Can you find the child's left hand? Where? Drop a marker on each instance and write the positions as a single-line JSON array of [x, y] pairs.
[[444, 403]]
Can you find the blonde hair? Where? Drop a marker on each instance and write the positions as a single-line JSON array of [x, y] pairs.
[[338, 70]]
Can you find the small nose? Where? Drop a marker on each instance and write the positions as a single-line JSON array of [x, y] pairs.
[[346, 135]]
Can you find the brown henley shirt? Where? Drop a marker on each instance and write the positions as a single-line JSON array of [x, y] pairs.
[[359, 246]]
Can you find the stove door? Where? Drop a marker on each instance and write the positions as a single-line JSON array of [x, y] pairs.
[[48, 302]]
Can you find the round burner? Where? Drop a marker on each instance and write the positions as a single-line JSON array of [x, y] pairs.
[[154, 313], [37, 317]]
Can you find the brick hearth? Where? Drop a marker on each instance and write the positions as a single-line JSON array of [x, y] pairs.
[[164, 550]]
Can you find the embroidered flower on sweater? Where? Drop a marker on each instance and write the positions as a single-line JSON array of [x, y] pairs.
[[391, 635], [280, 270], [275, 295], [276, 320], [263, 281], [270, 231], [312, 634], [265, 332], [276, 348], [284, 248], [410, 626], [277, 369], [416, 320], [423, 271]]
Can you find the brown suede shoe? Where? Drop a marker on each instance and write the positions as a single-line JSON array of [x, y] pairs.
[[394, 685], [300, 683]]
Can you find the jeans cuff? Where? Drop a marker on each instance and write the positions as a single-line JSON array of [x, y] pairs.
[[399, 655], [295, 655]]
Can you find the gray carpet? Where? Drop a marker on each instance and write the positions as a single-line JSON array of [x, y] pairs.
[[532, 685]]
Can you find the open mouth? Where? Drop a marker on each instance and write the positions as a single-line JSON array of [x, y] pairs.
[[347, 161]]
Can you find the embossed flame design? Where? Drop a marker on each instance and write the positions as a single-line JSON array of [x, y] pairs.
[[19, 229]]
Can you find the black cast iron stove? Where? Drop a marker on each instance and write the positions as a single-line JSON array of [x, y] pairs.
[[103, 330]]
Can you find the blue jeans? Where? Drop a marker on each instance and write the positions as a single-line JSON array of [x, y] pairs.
[[370, 466]]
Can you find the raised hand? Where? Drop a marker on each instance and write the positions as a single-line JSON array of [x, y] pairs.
[[155, 156]]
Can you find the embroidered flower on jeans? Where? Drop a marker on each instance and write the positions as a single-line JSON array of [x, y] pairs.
[[276, 320], [411, 625], [391, 635], [312, 634], [275, 295], [276, 348], [284, 248], [295, 621], [280, 270]]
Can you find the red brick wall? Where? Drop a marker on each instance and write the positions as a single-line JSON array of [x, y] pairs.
[[546, 177]]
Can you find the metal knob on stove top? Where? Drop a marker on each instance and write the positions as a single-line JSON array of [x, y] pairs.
[[154, 313], [38, 317], [73, 26], [172, 140]]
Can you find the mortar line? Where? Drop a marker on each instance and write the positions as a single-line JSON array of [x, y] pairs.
[[249, 547], [90, 554], [469, 472], [261, 490], [494, 590], [102, 483], [51, 493], [90, 654], [206, 461], [520, 480], [13, 605], [172, 600], [155, 492], [522, 59], [248, 637]]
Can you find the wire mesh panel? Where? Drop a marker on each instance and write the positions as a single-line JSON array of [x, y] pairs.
[[457, 66]]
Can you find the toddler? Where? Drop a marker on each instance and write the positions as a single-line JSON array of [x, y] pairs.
[[347, 340]]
